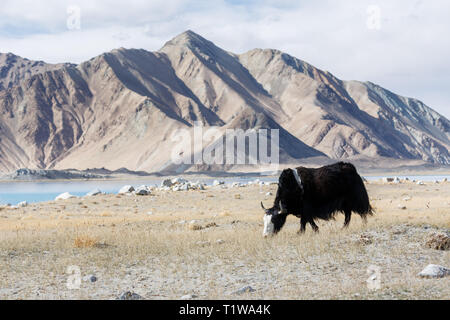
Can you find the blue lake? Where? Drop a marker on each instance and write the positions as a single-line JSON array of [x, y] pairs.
[[15, 192]]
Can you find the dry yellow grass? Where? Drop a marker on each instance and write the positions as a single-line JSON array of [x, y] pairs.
[[161, 256], [85, 242]]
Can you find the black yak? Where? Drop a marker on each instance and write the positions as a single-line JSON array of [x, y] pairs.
[[320, 193]]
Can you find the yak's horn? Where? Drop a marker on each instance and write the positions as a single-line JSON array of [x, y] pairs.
[[262, 206]]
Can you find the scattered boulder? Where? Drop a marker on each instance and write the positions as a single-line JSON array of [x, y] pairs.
[[268, 194], [22, 204], [65, 196], [218, 183], [401, 207], [237, 185], [142, 190], [434, 271], [387, 180], [438, 241], [95, 192], [128, 295], [126, 189], [420, 183], [178, 181], [166, 183]]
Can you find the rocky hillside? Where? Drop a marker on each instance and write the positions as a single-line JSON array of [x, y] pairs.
[[120, 109]]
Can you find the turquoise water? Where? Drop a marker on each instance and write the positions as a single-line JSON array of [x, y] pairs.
[[15, 192]]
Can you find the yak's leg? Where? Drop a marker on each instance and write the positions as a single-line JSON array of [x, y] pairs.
[[313, 225], [348, 215], [302, 226]]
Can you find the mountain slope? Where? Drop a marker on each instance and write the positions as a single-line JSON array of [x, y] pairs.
[[122, 108]]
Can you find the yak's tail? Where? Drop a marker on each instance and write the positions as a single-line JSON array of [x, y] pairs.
[[361, 203]]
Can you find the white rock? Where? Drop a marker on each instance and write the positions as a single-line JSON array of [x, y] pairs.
[[93, 193], [401, 207], [126, 189], [179, 180], [386, 179], [185, 186], [65, 196], [444, 180], [22, 204], [149, 213], [407, 198], [268, 193], [220, 241], [142, 190], [218, 182], [434, 271]]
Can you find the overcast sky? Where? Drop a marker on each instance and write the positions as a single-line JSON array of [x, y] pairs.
[[402, 45]]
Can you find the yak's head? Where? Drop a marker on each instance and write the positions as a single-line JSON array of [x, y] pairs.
[[274, 219], [288, 200]]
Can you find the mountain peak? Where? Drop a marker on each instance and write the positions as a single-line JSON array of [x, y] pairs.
[[187, 39]]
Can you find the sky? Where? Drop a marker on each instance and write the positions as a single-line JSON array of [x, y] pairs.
[[402, 45]]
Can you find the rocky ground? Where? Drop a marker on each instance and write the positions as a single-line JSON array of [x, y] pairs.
[[206, 243]]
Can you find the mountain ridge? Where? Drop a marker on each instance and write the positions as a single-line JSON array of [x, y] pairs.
[[119, 109]]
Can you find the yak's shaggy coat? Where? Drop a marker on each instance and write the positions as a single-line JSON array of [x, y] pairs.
[[323, 192]]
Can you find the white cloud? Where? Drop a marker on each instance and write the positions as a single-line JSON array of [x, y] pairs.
[[408, 54]]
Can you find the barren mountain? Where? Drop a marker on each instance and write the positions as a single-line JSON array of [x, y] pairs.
[[121, 109]]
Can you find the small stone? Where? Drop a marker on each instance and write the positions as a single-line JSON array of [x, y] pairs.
[[434, 271], [189, 297], [407, 198], [386, 179], [268, 194], [401, 207], [150, 213], [220, 241], [90, 278], [438, 241], [237, 196], [420, 183], [246, 289], [128, 295]]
